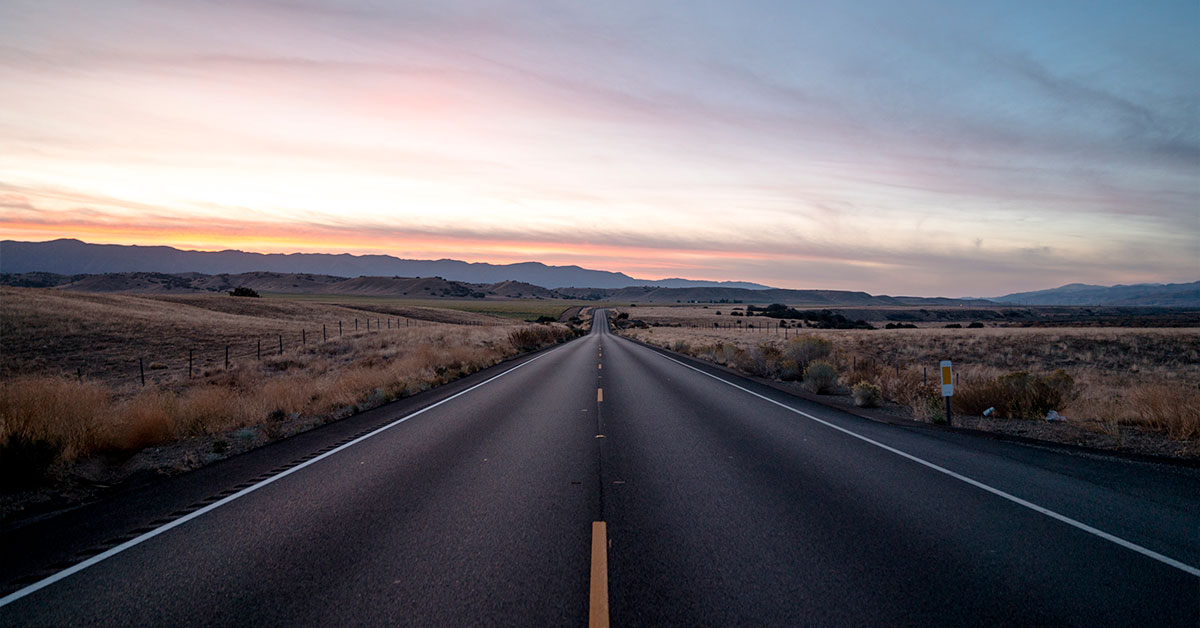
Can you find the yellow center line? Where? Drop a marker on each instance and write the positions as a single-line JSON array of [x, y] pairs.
[[599, 395], [598, 604]]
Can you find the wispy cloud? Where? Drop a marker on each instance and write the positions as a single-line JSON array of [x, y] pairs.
[[867, 147]]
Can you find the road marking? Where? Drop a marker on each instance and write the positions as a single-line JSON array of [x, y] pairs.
[[976, 483], [599, 395], [74, 569], [598, 603], [599, 366]]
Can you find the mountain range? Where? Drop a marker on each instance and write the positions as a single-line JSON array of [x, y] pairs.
[[440, 288], [73, 257], [1146, 294], [75, 265]]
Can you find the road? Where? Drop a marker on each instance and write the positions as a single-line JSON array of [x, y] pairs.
[[723, 503]]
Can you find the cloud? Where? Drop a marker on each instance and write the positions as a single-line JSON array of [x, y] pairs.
[[785, 141]]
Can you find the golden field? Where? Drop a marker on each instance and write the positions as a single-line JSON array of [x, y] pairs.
[[1148, 378], [70, 384]]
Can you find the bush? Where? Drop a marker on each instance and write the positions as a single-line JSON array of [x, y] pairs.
[[243, 291], [867, 395], [804, 349], [975, 325], [1017, 395], [820, 377], [535, 337], [763, 361]]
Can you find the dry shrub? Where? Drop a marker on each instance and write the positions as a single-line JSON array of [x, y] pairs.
[[762, 360], [59, 411], [146, 420], [209, 410], [804, 349], [866, 395], [907, 388], [1171, 409], [820, 377], [726, 353], [534, 337], [1018, 395], [286, 396]]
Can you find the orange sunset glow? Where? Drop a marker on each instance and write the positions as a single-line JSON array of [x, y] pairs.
[[791, 151]]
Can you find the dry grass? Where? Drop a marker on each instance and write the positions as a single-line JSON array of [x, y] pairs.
[[44, 408], [1122, 376]]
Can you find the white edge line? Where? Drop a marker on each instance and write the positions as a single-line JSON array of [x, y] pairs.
[[976, 483], [78, 567]]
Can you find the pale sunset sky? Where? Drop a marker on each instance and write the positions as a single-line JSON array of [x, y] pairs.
[[926, 148]]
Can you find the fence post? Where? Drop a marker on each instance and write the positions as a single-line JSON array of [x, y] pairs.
[[356, 324], [142, 370], [339, 328], [324, 334], [189, 363], [280, 344], [924, 375], [260, 349], [303, 338], [227, 357]]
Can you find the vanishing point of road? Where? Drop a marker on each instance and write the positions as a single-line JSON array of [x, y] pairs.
[[604, 482]]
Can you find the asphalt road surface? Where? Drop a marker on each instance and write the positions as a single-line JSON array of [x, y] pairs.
[[722, 503]]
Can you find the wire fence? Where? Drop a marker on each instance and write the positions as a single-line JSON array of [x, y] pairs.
[[202, 358]]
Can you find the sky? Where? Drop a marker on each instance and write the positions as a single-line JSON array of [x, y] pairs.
[[924, 148]]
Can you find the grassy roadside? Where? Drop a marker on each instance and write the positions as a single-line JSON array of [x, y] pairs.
[[1128, 386], [56, 426]]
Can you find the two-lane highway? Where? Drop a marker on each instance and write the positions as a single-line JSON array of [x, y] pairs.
[[722, 502]]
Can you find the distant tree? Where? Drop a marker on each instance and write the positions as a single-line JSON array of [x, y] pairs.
[[243, 291]]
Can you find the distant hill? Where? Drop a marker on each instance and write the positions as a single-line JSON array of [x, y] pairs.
[[438, 287], [72, 257], [801, 298], [1150, 295], [292, 283]]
